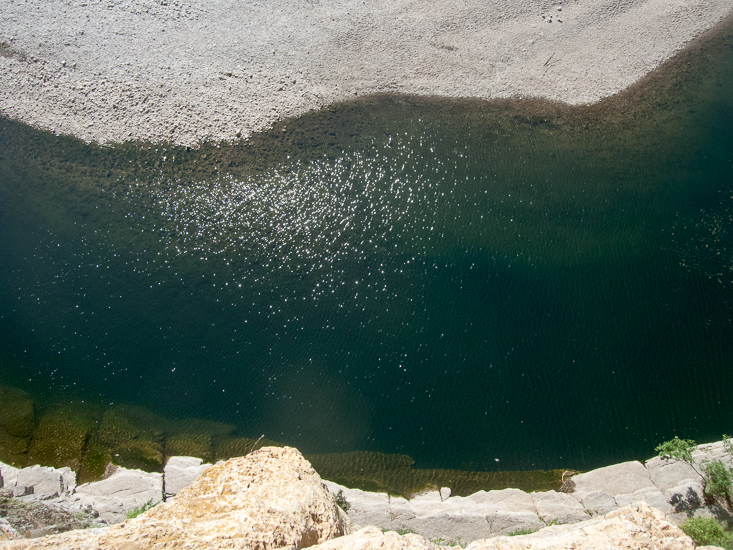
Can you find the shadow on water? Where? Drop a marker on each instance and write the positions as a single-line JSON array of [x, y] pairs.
[[457, 281]]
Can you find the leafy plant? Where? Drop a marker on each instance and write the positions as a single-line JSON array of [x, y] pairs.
[[342, 502], [707, 532], [140, 509], [717, 479], [521, 532], [405, 530], [715, 475]]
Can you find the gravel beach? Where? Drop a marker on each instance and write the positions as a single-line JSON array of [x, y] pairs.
[[184, 71]]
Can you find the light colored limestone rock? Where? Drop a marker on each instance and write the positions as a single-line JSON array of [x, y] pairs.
[[713, 451], [269, 499], [666, 474], [44, 481], [623, 478], [597, 502], [366, 508], [509, 500], [654, 498], [686, 496], [372, 538], [121, 493], [632, 527], [552, 506], [8, 475], [712, 511], [180, 472]]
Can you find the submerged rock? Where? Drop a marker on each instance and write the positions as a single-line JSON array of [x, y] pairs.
[[61, 438], [17, 420]]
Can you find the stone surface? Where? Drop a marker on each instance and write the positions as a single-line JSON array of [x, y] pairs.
[[269, 499], [8, 475], [623, 478], [180, 472], [28, 518], [597, 502], [372, 538], [666, 474], [552, 506], [366, 508], [632, 527], [686, 496], [44, 481], [121, 493]]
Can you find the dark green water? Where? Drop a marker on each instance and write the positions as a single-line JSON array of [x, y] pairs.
[[456, 281]]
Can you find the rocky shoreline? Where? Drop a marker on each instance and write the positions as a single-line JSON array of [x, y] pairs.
[[188, 71], [672, 488]]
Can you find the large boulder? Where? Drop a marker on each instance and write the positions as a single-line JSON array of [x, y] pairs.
[[269, 499], [632, 527]]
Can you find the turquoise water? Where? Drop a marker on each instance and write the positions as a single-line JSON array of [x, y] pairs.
[[456, 281]]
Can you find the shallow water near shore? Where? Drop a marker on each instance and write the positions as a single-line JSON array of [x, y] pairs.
[[459, 282]]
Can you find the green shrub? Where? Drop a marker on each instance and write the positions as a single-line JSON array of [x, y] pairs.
[[140, 509], [717, 479], [342, 502], [707, 532]]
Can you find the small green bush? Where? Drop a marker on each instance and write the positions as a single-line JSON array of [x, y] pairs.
[[707, 532], [717, 479], [342, 502], [140, 509]]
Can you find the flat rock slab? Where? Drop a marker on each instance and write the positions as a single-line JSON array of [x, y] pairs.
[[42, 481], [180, 472], [666, 474], [121, 493], [558, 507], [623, 478]]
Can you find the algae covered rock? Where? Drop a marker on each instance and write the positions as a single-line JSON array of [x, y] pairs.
[[196, 445], [17, 420], [242, 446], [128, 436], [61, 437], [16, 412], [197, 437]]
